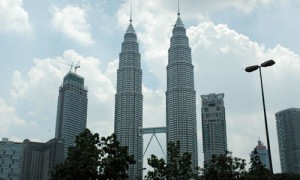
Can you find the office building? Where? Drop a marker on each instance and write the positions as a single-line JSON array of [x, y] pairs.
[[262, 152], [39, 159], [53, 154], [213, 126], [71, 109], [180, 94], [10, 159], [129, 101], [288, 133]]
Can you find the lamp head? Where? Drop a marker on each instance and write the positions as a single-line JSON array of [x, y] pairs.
[[251, 68], [268, 63]]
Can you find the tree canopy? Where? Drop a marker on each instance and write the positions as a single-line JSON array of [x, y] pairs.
[[114, 159], [225, 166], [257, 169], [177, 167], [92, 158]]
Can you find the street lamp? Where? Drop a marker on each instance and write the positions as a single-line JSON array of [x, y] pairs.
[[253, 68]]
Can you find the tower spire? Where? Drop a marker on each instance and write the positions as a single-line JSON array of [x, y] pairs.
[[178, 12], [130, 20]]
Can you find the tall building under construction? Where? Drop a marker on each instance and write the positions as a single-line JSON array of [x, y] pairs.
[[71, 109]]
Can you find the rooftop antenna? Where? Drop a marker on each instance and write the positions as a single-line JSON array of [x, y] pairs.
[[130, 20], [178, 12]]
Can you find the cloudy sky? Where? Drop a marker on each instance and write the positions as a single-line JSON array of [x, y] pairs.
[[225, 36]]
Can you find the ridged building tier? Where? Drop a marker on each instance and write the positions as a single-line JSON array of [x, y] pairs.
[[129, 101], [180, 95]]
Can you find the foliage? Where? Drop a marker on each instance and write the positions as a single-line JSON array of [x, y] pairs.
[[257, 169], [225, 166], [159, 168], [114, 161], [82, 159], [92, 159], [287, 176], [177, 167]]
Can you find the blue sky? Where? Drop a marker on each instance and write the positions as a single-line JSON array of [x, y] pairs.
[[225, 37]]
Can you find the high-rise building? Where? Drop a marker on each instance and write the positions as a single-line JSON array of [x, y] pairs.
[[213, 126], [10, 159], [288, 133], [39, 159], [180, 95], [262, 152], [129, 101], [71, 109]]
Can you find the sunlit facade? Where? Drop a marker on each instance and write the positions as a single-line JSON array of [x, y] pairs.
[[180, 95], [129, 101]]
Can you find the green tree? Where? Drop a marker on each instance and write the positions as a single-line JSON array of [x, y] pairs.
[[287, 176], [177, 167], [93, 159], [114, 159], [225, 166], [82, 160], [257, 169]]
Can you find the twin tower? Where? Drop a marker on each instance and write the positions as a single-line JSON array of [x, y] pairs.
[[180, 97]]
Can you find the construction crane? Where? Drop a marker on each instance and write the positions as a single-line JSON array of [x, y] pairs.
[[71, 65]]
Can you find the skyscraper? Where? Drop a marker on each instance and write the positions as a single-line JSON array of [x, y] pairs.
[[288, 133], [262, 152], [213, 126], [129, 101], [71, 109], [180, 95]]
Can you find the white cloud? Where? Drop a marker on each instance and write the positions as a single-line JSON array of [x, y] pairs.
[[8, 118], [154, 26], [154, 108], [71, 21], [243, 6], [13, 17], [219, 71], [219, 55], [36, 92]]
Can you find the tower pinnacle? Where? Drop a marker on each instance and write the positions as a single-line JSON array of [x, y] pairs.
[[178, 11], [130, 27], [130, 20]]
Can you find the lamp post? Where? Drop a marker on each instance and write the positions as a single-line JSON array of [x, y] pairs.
[[253, 68]]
